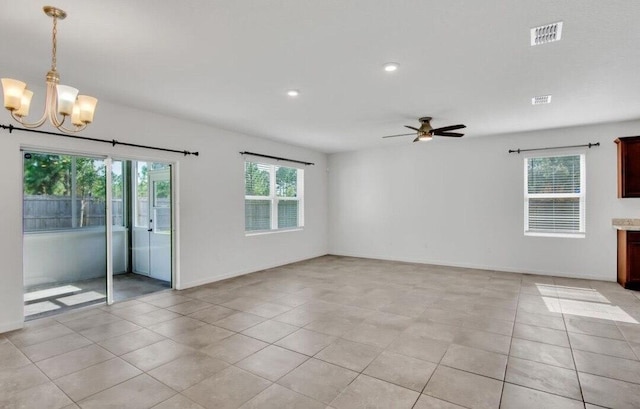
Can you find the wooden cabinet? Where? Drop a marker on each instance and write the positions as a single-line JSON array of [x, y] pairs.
[[628, 166], [629, 259]]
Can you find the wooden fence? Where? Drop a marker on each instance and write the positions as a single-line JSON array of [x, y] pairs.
[[44, 212]]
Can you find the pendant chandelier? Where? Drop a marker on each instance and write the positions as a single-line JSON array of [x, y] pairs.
[[62, 103]]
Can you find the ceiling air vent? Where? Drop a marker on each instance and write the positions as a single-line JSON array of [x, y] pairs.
[[546, 34], [541, 99]]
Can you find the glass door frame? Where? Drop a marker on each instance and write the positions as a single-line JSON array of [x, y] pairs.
[[109, 225], [74, 156], [175, 276], [173, 171]]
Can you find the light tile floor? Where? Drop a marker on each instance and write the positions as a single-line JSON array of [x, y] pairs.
[[339, 333]]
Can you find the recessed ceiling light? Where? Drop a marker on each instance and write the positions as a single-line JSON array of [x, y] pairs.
[[293, 93], [541, 99], [391, 66], [546, 34]]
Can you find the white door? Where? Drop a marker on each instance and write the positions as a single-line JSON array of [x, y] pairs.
[[151, 238], [160, 224]]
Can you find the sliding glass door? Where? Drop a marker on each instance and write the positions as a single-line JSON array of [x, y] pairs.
[[94, 230], [64, 232]]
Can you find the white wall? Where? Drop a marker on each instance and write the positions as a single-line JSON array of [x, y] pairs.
[[71, 255], [460, 203], [212, 243]]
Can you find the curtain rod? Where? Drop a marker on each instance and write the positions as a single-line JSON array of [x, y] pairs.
[[588, 145], [276, 158], [112, 142]]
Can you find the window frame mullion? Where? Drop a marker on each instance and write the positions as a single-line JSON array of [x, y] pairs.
[[273, 197]]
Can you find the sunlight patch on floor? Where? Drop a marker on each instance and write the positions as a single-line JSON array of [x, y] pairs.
[[50, 292], [39, 307], [82, 298], [583, 302]]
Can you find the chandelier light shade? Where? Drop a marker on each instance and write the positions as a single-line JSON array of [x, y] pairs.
[[62, 102]]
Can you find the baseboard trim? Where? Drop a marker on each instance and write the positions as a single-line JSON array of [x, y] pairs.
[[442, 263], [238, 273]]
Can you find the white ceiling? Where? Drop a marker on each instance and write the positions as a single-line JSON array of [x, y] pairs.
[[229, 63]]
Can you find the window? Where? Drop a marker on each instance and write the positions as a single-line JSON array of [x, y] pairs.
[[273, 197], [68, 192], [554, 196]]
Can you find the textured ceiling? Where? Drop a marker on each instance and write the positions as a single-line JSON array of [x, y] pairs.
[[230, 63]]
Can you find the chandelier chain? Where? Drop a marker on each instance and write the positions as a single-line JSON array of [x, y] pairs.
[[55, 46]]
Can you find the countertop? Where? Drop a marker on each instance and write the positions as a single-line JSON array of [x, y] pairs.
[[626, 224]]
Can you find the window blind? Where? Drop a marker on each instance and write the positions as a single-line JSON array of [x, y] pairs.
[[554, 194]]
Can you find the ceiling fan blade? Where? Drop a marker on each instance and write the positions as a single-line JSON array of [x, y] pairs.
[[411, 127], [402, 134], [417, 139], [448, 134], [449, 128]]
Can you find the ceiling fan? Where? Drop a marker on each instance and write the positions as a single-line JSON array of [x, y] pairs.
[[426, 131]]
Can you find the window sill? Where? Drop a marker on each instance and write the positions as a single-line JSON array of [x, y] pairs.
[[267, 232], [558, 235]]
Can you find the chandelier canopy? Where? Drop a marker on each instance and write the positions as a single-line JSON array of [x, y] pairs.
[[62, 101]]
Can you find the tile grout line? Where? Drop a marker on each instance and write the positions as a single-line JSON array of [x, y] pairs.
[[506, 368], [564, 319]]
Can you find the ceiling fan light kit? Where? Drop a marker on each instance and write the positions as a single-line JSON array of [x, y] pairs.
[[423, 138], [60, 100], [426, 132]]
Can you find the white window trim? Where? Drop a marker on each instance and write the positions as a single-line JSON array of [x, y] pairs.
[[274, 199], [582, 196]]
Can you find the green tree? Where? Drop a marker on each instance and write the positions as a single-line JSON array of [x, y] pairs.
[[143, 181], [47, 174], [256, 180], [52, 175], [286, 182]]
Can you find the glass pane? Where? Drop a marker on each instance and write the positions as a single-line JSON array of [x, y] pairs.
[[554, 215], [90, 192], [161, 193], [286, 182], [117, 193], [162, 219], [142, 195], [63, 192], [256, 179], [64, 265], [558, 174], [257, 215], [47, 192], [287, 214]]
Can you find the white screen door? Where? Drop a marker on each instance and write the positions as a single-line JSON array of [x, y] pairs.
[[151, 248]]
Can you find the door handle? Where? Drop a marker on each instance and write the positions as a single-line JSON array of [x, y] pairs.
[[149, 230]]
